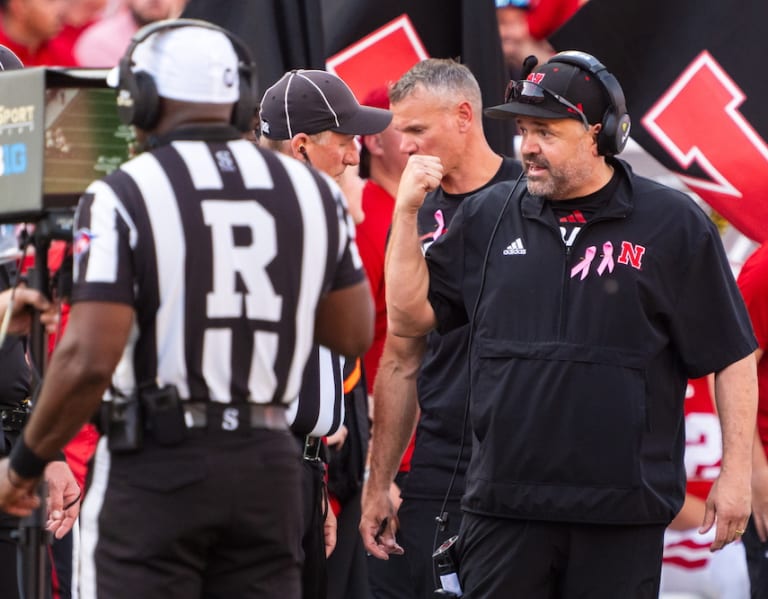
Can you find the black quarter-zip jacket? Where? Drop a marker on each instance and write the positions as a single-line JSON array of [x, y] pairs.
[[580, 356]]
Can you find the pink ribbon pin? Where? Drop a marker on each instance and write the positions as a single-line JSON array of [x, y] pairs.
[[440, 220], [583, 266], [607, 261]]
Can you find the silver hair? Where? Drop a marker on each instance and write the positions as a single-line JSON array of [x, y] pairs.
[[442, 76]]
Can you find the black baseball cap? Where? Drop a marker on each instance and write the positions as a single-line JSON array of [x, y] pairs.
[[310, 101], [555, 90], [8, 60]]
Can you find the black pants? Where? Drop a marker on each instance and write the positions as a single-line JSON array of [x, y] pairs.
[[420, 537], [8, 584], [218, 516], [314, 576], [757, 562], [347, 565], [390, 579], [509, 559]]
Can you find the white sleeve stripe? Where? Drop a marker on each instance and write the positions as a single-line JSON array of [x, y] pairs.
[[102, 251], [98, 189], [168, 236]]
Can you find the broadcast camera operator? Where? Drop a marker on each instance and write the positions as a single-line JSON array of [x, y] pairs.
[[17, 306], [204, 270]]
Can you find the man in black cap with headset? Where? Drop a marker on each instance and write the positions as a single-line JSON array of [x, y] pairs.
[[589, 293], [15, 391], [204, 270]]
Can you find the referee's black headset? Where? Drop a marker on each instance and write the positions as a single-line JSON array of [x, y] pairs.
[[138, 102], [614, 131]]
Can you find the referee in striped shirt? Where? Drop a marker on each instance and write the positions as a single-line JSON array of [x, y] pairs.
[[205, 269], [313, 116]]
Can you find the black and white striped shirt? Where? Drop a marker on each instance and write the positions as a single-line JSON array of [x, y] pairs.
[[319, 410], [223, 250]]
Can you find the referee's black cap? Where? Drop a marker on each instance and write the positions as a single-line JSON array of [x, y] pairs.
[[311, 101], [8, 60]]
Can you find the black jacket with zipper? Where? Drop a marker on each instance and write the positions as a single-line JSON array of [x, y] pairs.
[[580, 356]]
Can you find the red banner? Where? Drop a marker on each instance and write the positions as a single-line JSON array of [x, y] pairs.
[[393, 48]]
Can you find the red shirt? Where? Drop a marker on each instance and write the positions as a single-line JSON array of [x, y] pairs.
[[55, 52], [371, 241], [372, 236], [753, 284], [67, 38]]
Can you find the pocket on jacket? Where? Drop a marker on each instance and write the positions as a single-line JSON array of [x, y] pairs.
[[558, 421]]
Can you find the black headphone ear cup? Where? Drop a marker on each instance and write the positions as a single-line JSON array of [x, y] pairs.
[[244, 109], [623, 126], [138, 102], [614, 133], [606, 139], [146, 101]]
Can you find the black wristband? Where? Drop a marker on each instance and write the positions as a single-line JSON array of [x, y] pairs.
[[25, 462]]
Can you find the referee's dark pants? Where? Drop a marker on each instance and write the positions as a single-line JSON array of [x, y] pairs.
[[502, 558], [218, 516]]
